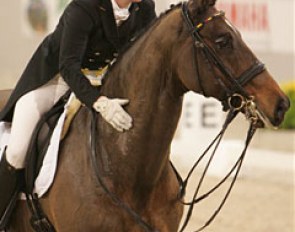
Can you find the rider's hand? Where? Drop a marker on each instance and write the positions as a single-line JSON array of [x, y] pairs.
[[112, 111]]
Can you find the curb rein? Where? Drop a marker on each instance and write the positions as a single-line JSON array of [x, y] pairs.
[[237, 101]]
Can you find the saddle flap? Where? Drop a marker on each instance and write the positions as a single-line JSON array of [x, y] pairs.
[[40, 141]]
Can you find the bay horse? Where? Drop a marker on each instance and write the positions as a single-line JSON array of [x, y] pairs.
[[164, 63]]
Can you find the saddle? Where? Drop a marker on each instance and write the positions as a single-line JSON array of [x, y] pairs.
[[39, 144], [40, 141], [43, 132]]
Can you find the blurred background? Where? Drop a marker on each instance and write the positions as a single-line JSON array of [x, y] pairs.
[[263, 198]]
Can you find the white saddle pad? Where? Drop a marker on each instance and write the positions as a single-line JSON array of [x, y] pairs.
[[47, 172]]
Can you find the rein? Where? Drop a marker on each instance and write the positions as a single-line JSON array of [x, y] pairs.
[[236, 168], [252, 117], [237, 100], [136, 217]]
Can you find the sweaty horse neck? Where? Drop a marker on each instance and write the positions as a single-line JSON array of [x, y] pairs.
[[144, 76]]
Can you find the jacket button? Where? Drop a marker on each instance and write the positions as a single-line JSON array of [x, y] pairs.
[[97, 53], [115, 54], [107, 61], [91, 60], [132, 39]]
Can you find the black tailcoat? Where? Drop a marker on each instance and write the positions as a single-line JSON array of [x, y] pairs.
[[86, 37]]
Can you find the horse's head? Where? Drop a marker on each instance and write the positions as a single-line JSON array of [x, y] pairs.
[[221, 65]]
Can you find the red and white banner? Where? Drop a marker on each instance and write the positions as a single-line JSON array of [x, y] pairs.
[[246, 15], [252, 18], [266, 25]]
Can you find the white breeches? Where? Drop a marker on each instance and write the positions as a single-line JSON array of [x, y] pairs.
[[28, 110]]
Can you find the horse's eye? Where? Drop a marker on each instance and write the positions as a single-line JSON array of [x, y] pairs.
[[224, 41]]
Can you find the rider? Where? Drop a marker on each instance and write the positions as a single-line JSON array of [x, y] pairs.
[[89, 35]]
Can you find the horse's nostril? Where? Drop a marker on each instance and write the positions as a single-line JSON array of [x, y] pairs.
[[282, 107], [285, 104], [288, 103]]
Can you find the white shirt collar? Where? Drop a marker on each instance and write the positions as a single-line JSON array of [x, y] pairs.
[[121, 14]]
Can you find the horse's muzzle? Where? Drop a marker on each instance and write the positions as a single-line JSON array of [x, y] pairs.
[[283, 104]]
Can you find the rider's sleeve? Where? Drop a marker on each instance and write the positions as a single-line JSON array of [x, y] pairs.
[[78, 25]]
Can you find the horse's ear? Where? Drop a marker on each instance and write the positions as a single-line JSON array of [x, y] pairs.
[[197, 7]]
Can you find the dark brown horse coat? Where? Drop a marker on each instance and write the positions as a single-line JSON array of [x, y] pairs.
[[135, 164], [85, 37]]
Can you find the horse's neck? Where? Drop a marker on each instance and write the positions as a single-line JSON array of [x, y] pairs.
[[142, 153]]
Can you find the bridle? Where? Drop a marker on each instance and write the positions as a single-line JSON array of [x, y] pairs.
[[236, 96], [236, 99]]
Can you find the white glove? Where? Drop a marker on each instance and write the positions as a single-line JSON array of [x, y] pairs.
[[112, 111]]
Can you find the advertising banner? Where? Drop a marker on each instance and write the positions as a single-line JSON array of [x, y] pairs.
[[252, 18], [266, 25]]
